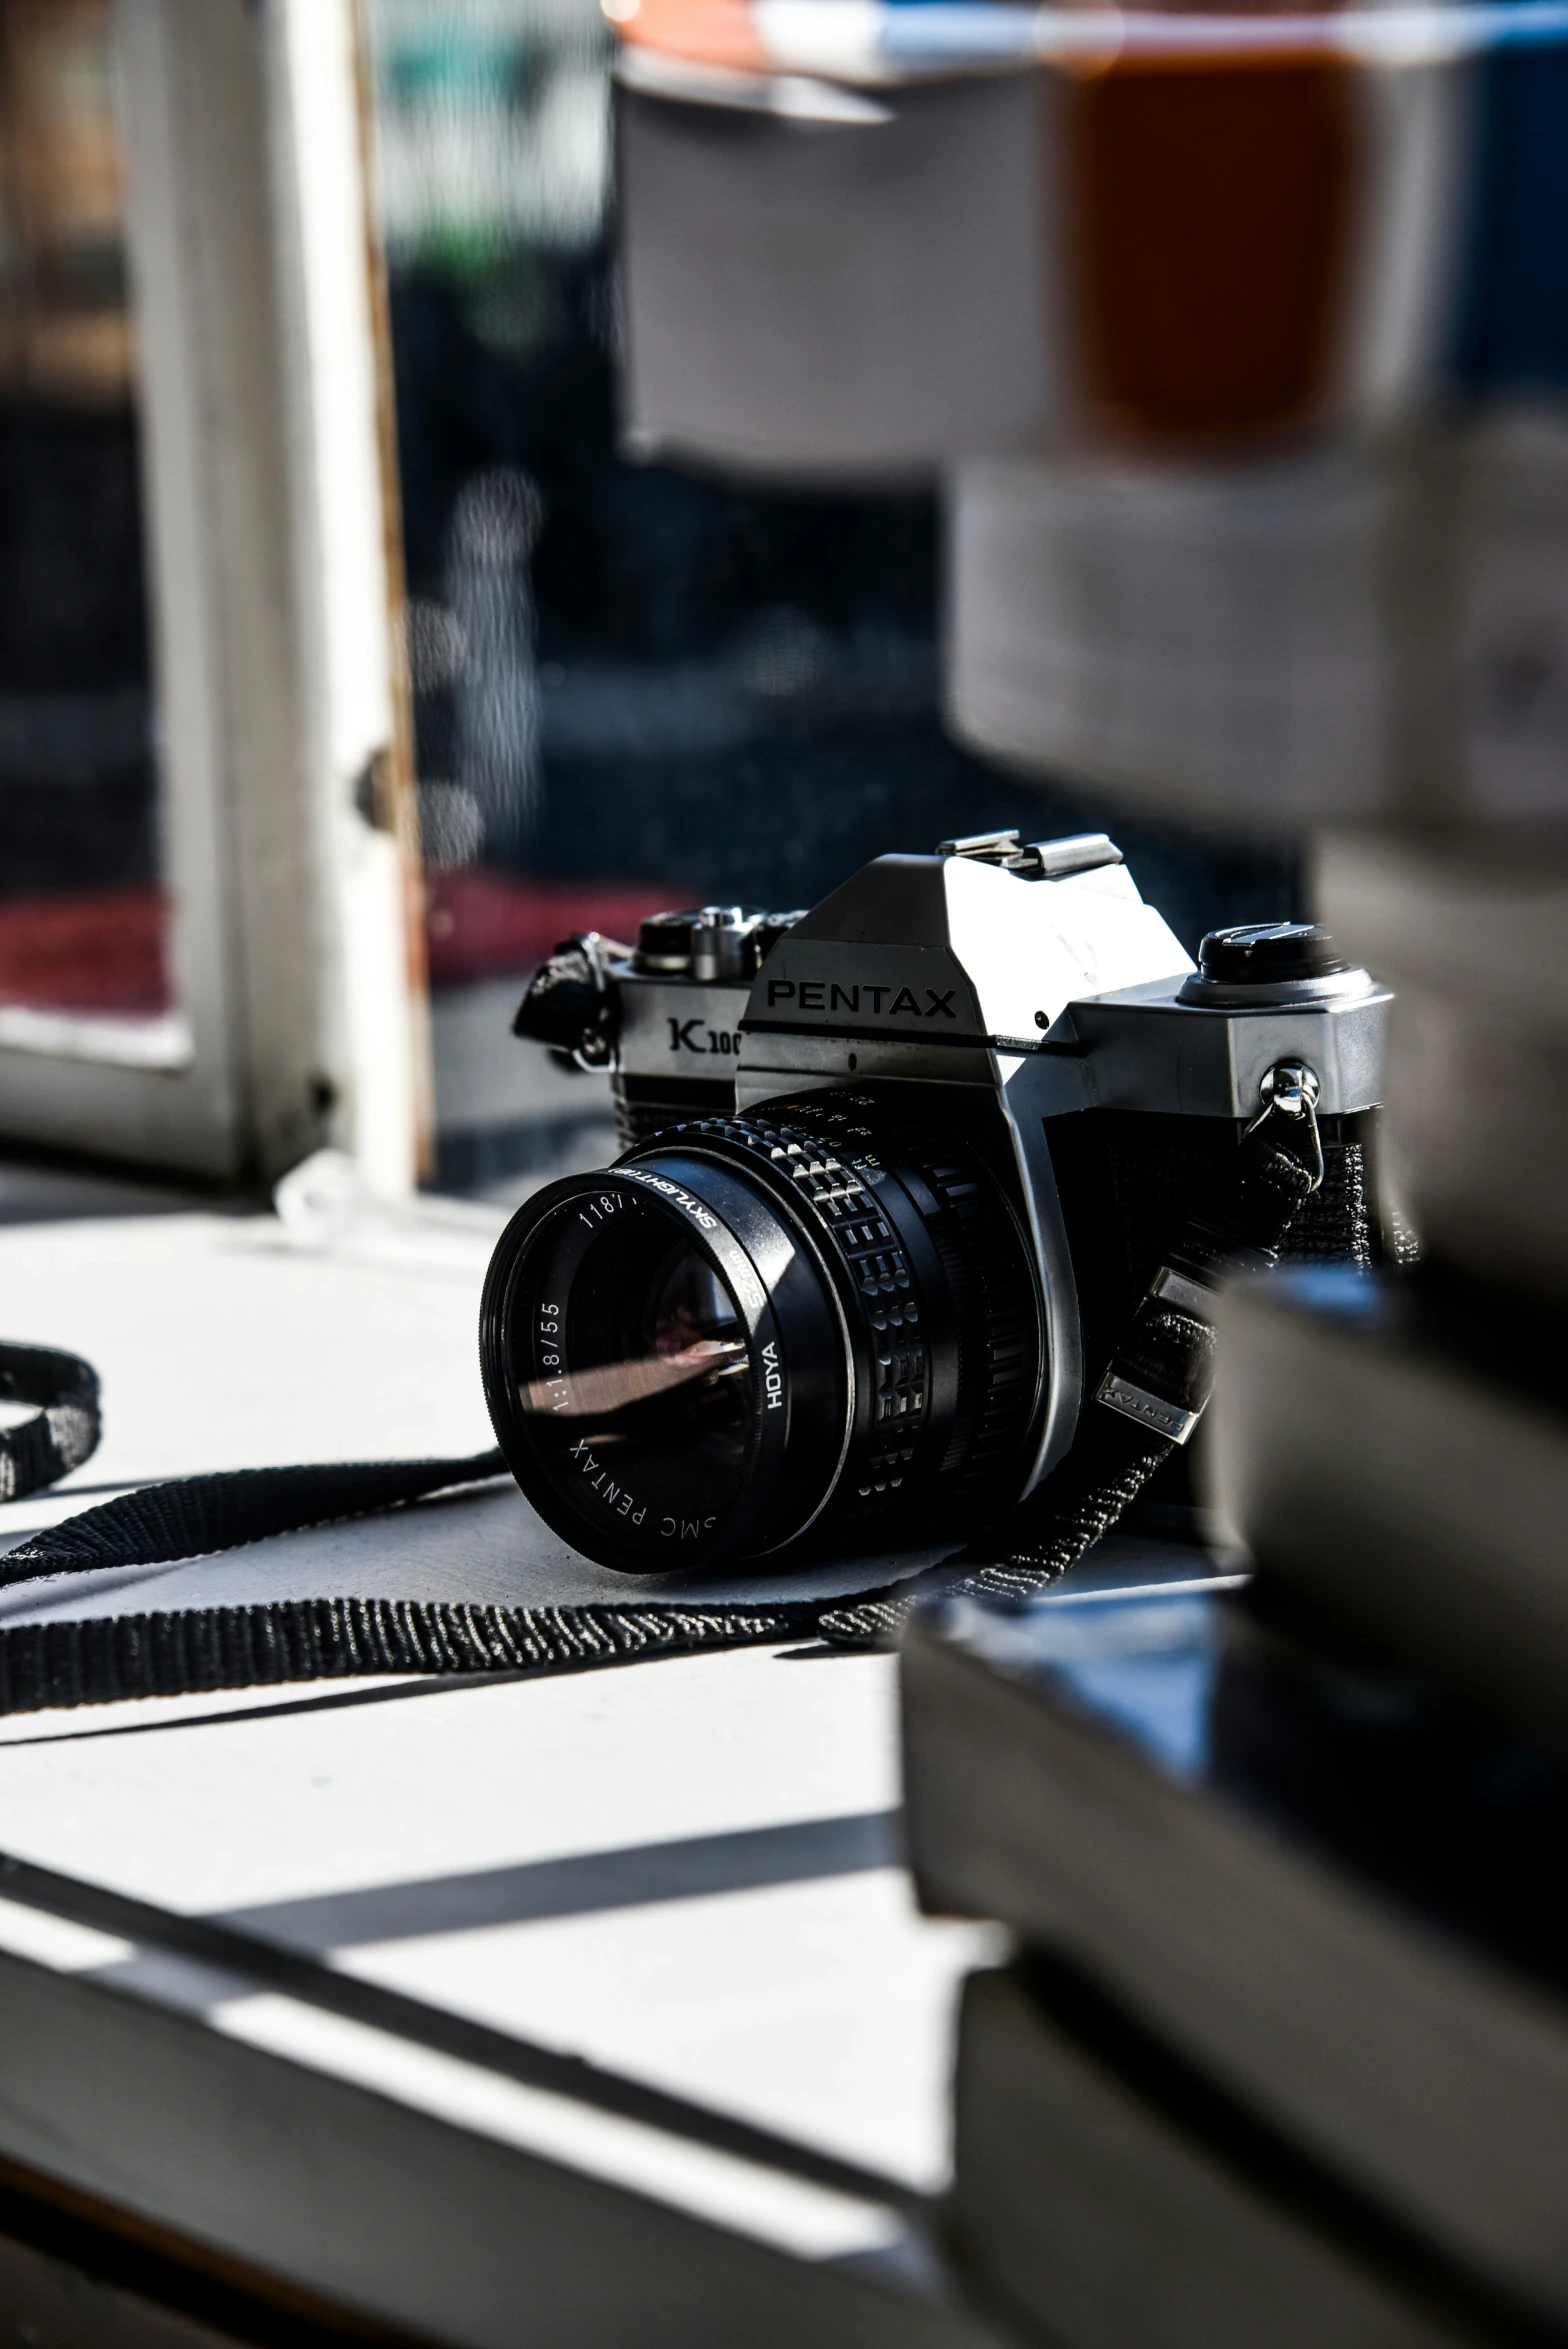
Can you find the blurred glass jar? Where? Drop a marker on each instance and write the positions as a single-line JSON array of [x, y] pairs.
[[864, 239], [1239, 340]]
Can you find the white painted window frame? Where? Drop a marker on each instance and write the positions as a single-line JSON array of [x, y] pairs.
[[290, 839]]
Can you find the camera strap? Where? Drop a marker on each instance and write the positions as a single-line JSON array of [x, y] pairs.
[[63, 1430], [1154, 1389], [180, 1651], [1147, 1402]]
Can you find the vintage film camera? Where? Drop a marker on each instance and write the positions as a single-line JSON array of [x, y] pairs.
[[922, 1150]]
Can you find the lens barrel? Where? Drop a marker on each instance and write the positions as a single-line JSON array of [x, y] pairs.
[[811, 1325]]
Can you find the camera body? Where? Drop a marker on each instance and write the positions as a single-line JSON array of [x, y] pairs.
[[969, 1101]]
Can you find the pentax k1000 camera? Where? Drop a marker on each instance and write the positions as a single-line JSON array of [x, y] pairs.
[[896, 1172]]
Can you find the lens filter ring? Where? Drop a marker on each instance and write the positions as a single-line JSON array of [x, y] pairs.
[[812, 1324], [665, 1374]]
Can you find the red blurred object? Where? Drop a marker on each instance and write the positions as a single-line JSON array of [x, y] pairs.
[[484, 925], [103, 951]]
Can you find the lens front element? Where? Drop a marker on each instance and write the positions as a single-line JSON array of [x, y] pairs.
[[635, 1368], [642, 1390]]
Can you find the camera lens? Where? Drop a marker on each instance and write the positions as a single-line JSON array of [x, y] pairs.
[[808, 1323]]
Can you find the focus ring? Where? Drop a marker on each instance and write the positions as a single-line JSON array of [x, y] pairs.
[[998, 1400], [846, 1211], [953, 1367]]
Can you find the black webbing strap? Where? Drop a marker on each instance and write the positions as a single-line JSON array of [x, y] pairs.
[[179, 1651], [195, 1516], [1159, 1373], [63, 1431], [1149, 1399]]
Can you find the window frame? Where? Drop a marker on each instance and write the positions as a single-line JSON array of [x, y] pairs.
[[284, 743]]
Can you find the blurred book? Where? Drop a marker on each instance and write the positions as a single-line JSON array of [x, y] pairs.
[[820, 279], [1328, 1891], [1397, 1450], [1210, 634], [1107, 2197], [1346, 631], [1471, 927]]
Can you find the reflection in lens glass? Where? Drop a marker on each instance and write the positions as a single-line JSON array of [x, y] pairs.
[[643, 1357], [596, 1393], [690, 1333]]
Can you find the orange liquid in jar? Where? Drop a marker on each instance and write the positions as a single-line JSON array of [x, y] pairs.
[[1210, 224]]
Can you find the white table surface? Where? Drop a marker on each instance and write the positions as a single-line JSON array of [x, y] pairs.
[[685, 1871]]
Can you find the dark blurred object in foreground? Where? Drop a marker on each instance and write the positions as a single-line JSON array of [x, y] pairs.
[[1312, 1901]]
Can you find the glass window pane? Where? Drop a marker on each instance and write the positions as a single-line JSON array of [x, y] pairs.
[[84, 915], [635, 687]]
